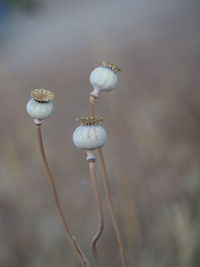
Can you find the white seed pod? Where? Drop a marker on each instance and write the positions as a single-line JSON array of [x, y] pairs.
[[89, 137], [40, 106], [104, 78], [39, 110]]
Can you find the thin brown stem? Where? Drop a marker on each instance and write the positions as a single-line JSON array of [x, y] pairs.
[[92, 100], [107, 191], [55, 196], [111, 209], [100, 213]]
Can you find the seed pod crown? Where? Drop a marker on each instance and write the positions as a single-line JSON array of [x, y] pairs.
[[42, 95], [89, 120], [111, 66]]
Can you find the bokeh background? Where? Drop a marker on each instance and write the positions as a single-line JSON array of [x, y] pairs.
[[152, 120]]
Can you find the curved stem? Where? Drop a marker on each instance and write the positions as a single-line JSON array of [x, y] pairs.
[[72, 242], [111, 209], [107, 191], [100, 213]]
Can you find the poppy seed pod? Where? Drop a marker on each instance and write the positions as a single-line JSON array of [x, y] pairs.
[[90, 135], [104, 78], [40, 106]]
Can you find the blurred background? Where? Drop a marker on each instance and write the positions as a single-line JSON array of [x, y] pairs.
[[152, 120]]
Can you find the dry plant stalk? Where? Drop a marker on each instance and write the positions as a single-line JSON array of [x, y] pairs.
[[107, 192], [90, 136], [40, 107], [72, 242], [100, 212], [111, 209]]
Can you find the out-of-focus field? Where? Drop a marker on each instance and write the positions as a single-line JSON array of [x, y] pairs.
[[152, 120]]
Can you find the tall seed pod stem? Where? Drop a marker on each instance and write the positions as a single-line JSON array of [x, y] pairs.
[[72, 242], [107, 192], [99, 210], [40, 107], [90, 136], [111, 209]]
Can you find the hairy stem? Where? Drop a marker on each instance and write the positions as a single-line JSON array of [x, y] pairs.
[[100, 213], [73, 244]]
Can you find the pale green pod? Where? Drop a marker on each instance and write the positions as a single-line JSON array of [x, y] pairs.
[[103, 79], [39, 110], [89, 137]]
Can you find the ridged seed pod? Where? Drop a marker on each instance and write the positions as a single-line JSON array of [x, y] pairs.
[[89, 136]]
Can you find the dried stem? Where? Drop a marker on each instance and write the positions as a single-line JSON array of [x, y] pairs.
[[107, 191], [61, 214], [111, 209], [92, 100], [100, 213]]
